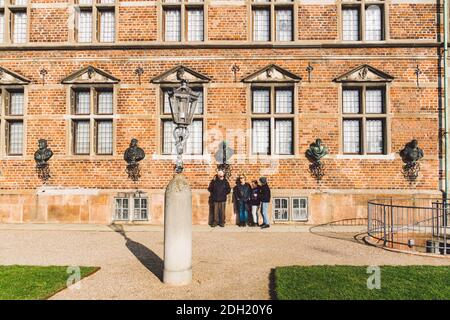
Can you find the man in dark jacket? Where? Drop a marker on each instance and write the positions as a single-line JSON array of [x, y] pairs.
[[219, 189], [265, 201]]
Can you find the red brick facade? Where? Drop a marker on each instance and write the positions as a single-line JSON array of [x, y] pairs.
[[82, 188]]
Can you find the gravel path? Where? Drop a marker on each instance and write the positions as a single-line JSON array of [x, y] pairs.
[[227, 263]]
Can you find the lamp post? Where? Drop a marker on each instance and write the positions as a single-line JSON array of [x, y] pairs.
[[178, 196]]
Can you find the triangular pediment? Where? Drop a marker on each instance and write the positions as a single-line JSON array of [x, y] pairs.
[[272, 73], [8, 77], [175, 75], [364, 73], [90, 74]]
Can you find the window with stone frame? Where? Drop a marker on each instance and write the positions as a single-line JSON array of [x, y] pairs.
[[183, 20], [131, 207], [14, 21], [95, 21], [12, 113], [364, 119], [363, 20], [272, 20], [290, 209], [92, 109], [272, 108], [194, 145]]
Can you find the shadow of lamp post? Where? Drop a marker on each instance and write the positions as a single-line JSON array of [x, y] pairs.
[[132, 156], [223, 154], [42, 156], [411, 154], [315, 153], [178, 196]]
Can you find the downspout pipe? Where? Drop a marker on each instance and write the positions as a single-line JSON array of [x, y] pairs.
[[446, 119]]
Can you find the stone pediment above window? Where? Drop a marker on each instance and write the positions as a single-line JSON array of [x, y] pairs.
[[175, 75], [272, 73], [89, 75], [364, 73], [8, 77]]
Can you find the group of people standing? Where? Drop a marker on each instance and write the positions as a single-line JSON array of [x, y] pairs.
[[247, 198]]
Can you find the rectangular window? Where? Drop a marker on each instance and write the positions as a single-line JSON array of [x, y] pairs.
[[195, 24], [15, 138], [352, 137], [283, 101], [350, 24], [351, 100], [82, 137], [375, 134], [19, 29], [83, 101], [2, 26], [85, 26], [261, 137], [122, 209], [261, 24], [107, 26], [194, 144], [299, 209], [261, 100], [16, 100], [172, 25], [104, 137], [364, 120], [104, 102], [281, 209], [131, 207], [283, 136], [284, 24], [140, 209]]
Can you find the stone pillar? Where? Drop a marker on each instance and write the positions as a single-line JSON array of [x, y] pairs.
[[178, 232]]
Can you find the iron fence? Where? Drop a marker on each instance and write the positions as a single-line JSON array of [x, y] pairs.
[[410, 224]]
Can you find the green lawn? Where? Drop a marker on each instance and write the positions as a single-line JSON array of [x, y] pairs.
[[32, 282], [350, 282]]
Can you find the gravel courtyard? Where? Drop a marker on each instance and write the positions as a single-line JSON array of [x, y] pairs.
[[230, 263]]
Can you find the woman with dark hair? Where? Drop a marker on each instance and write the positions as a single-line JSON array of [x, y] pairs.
[[242, 193], [265, 201]]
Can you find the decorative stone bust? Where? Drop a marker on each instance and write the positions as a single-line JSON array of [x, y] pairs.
[[134, 154], [316, 151], [411, 153], [43, 154]]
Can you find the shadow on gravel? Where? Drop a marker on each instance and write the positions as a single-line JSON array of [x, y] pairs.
[[334, 230], [272, 291], [147, 257]]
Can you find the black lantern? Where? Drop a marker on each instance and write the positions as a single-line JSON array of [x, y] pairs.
[[183, 102]]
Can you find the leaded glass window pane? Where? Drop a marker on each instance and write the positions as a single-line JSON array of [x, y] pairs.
[[261, 101], [104, 137], [351, 136], [283, 137], [107, 26], [105, 102], [375, 134], [85, 26], [82, 137], [283, 101], [374, 23], [82, 102], [15, 138], [351, 100], [20, 27], [350, 23], [261, 137], [195, 24], [374, 101], [283, 24], [17, 103], [261, 25], [172, 25]]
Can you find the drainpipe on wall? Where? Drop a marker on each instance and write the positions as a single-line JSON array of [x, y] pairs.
[[446, 120]]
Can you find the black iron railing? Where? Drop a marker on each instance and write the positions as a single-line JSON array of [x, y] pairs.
[[410, 224]]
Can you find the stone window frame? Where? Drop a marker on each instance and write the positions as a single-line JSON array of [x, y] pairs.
[[5, 119], [131, 196], [363, 117], [183, 6], [168, 117], [8, 10], [272, 116], [272, 5], [93, 118], [361, 5], [290, 208], [95, 7]]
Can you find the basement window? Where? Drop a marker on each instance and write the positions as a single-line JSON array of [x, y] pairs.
[[290, 209], [131, 207]]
